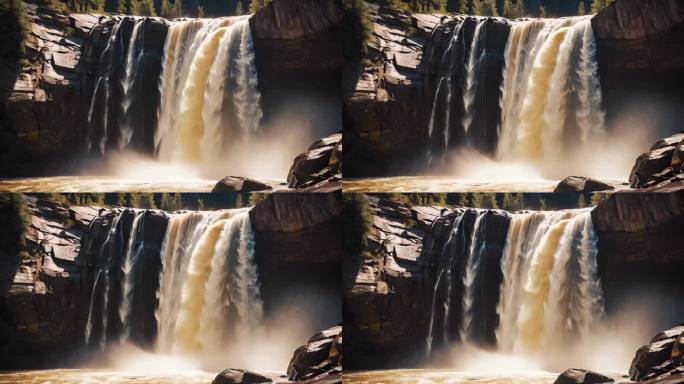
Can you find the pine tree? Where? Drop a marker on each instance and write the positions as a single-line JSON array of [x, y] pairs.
[[489, 8], [542, 11], [200, 204], [134, 7], [146, 8], [166, 10], [177, 8], [489, 201], [238, 9], [519, 8], [581, 203], [476, 7], [146, 200], [596, 199], [462, 200], [133, 200], [476, 200], [255, 5], [200, 11], [597, 5], [463, 6], [121, 6], [238, 202], [580, 8], [542, 204], [507, 9], [120, 199]]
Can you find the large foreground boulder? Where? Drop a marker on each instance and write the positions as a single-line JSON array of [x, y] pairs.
[[319, 167], [582, 376], [659, 356], [321, 355], [240, 184], [240, 376], [581, 184], [661, 166]]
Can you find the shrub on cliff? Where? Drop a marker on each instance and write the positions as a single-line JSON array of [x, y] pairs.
[[357, 23], [14, 29], [14, 221], [357, 221]]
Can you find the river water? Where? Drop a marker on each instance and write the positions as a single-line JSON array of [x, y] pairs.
[[437, 184], [436, 376]]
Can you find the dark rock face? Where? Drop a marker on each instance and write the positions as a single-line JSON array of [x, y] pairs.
[[389, 288], [635, 41], [582, 376], [387, 113], [298, 46], [385, 104], [240, 376], [658, 359], [320, 356], [320, 167], [581, 184], [660, 169], [104, 67], [239, 184], [41, 300], [41, 117]]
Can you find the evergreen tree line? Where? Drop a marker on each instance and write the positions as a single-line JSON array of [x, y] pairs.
[[163, 8], [506, 8], [165, 201], [510, 202]]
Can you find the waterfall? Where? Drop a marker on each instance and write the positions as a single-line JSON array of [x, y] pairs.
[[460, 266], [131, 276], [209, 291], [524, 281], [128, 84], [550, 92], [209, 95], [470, 86], [551, 292]]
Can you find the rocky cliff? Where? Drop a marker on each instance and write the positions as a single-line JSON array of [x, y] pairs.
[[47, 288], [389, 286], [639, 45]]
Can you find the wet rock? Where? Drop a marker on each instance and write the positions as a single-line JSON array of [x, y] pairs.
[[582, 376], [319, 166], [655, 358], [651, 166], [581, 184], [240, 184], [240, 376], [319, 356]]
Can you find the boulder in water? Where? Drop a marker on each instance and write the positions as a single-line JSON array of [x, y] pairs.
[[240, 184], [660, 165], [319, 356], [582, 376], [319, 165], [240, 376], [655, 358], [581, 184]]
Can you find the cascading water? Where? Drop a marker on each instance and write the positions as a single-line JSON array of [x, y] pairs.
[[551, 289], [551, 93], [209, 95], [209, 292], [545, 287], [187, 286], [128, 84]]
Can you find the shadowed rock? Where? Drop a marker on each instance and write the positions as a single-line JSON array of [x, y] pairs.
[[581, 184], [240, 376], [240, 184], [582, 376]]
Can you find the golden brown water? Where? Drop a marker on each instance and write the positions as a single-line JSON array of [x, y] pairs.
[[435, 376], [104, 376], [453, 184], [111, 184]]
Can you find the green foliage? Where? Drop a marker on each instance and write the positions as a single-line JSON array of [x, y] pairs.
[[255, 198], [357, 25], [146, 8], [134, 7], [486, 8], [238, 202], [357, 222], [476, 7], [121, 6], [542, 204], [420, 199], [200, 11], [14, 29], [255, 5], [170, 202], [146, 201], [513, 202], [542, 11], [200, 204], [597, 198], [581, 203], [177, 8], [580, 8], [14, 221], [238, 9], [507, 9]]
